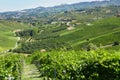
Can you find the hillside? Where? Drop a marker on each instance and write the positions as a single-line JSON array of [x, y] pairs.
[[78, 41], [73, 29], [43, 12], [100, 33], [7, 36]]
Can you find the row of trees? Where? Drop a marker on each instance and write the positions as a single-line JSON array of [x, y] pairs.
[[38, 45], [25, 33]]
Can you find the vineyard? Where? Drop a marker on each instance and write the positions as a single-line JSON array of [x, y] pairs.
[[81, 65], [54, 37], [11, 66], [63, 65], [65, 42]]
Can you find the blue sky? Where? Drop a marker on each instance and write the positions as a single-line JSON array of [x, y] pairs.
[[11, 5]]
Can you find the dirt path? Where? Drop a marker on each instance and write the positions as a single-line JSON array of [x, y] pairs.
[[106, 46], [30, 72]]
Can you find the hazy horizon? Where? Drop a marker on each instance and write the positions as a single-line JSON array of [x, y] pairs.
[[14, 5]]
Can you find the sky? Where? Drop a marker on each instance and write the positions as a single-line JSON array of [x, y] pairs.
[[12, 5]]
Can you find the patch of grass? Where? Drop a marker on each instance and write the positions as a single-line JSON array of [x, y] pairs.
[[7, 36]]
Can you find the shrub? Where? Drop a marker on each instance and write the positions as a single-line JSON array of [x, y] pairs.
[[91, 46], [116, 43]]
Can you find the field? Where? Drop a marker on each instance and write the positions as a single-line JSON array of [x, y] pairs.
[[70, 45], [101, 33], [7, 36]]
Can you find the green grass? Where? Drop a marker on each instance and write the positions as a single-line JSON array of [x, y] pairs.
[[101, 32], [104, 31], [7, 37], [7, 42], [117, 48]]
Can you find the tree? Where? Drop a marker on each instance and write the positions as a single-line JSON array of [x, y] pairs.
[[91, 46], [116, 43]]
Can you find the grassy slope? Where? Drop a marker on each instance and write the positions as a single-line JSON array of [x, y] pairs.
[[101, 32], [7, 38]]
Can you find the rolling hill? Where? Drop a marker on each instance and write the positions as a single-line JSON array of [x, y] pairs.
[[72, 26], [7, 36], [101, 33], [43, 12], [68, 42]]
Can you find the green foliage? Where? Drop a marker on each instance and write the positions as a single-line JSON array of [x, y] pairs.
[[39, 45], [25, 33], [104, 32], [11, 65], [116, 43], [81, 65], [91, 46]]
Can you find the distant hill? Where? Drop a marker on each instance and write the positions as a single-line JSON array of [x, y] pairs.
[[103, 33], [42, 12]]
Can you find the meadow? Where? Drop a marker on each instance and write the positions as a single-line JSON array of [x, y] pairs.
[[7, 36]]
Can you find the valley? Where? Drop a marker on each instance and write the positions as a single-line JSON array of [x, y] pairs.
[[7, 36], [78, 41]]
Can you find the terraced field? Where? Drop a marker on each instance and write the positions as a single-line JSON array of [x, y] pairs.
[[104, 32], [101, 33]]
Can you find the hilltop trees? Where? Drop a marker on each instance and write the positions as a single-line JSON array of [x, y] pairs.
[[25, 33]]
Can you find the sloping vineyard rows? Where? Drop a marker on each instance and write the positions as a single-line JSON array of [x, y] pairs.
[[11, 66], [81, 65]]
